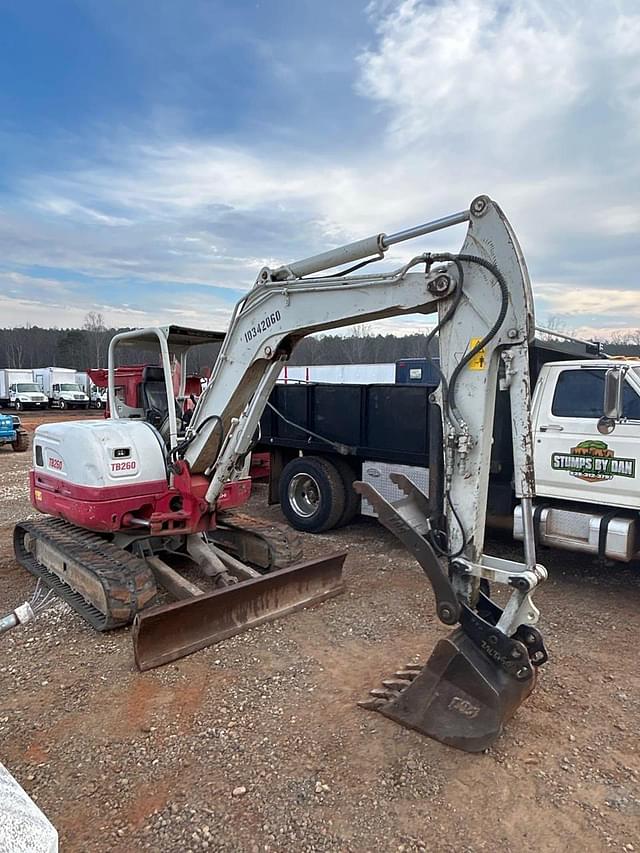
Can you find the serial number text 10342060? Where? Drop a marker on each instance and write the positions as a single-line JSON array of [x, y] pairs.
[[262, 326]]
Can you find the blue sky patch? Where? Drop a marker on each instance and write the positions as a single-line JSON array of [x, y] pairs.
[[157, 154]]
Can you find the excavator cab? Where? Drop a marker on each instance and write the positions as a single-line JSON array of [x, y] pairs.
[[165, 377]]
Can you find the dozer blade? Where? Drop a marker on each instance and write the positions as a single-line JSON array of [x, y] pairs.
[[460, 697], [166, 633]]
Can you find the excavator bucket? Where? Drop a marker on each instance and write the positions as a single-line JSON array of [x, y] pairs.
[[477, 677], [168, 632], [459, 697]]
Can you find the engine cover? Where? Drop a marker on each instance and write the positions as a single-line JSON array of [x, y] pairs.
[[99, 453], [92, 473]]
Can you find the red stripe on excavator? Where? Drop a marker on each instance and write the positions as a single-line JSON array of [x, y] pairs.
[[103, 510], [96, 493]]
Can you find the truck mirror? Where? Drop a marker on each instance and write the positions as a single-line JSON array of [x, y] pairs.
[[612, 403], [613, 389]]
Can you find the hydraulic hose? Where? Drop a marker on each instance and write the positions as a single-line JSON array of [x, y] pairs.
[[493, 331], [448, 392]]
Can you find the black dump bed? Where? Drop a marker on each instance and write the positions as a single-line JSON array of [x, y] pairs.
[[389, 423], [383, 422]]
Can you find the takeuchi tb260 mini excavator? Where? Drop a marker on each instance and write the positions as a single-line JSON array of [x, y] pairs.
[[128, 494]]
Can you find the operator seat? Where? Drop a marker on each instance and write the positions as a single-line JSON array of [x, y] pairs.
[[153, 395]]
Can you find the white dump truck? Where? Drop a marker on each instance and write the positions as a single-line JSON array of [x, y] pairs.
[[61, 388], [19, 391], [586, 448]]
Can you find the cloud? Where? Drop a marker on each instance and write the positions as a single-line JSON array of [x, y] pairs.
[[437, 62], [585, 300], [48, 302], [535, 104]]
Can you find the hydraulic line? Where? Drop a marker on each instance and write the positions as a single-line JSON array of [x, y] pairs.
[[493, 331], [448, 393]]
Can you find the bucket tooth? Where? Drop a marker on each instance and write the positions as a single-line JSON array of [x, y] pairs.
[[371, 704], [408, 674], [396, 683], [460, 697], [383, 693]]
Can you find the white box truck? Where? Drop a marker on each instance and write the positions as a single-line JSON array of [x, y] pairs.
[[19, 391], [97, 396], [61, 388]]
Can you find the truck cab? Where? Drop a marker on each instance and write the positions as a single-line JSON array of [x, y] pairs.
[[27, 395], [68, 395], [97, 396], [587, 482]]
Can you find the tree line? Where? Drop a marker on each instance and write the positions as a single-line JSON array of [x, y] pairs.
[[32, 346]]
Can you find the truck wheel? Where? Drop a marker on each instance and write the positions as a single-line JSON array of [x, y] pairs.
[[352, 498], [62, 404], [21, 443], [98, 404], [312, 494], [17, 406]]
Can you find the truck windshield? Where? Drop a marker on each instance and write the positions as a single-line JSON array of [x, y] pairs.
[[67, 386], [23, 387]]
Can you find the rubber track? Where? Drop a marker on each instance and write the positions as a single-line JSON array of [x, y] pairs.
[[127, 581], [285, 544]]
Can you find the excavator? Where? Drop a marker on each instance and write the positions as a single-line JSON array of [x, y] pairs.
[[125, 497]]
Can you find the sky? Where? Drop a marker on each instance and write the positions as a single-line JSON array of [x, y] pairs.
[[157, 153]]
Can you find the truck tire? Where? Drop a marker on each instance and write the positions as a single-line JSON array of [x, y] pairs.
[[21, 443], [352, 498], [312, 494], [62, 404], [17, 406], [98, 404]]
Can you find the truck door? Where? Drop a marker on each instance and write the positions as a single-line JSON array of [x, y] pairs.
[[572, 459]]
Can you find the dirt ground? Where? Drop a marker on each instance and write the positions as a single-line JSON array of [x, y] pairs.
[[257, 744]]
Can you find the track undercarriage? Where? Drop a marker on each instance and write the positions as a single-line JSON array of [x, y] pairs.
[[112, 586]]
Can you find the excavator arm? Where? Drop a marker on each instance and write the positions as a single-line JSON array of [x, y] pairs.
[[480, 674]]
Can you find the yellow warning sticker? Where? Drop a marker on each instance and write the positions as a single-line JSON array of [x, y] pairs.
[[479, 361], [37, 494]]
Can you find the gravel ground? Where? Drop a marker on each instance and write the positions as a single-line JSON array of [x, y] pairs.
[[257, 744]]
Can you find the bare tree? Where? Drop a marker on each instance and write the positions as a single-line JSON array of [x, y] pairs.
[[555, 323], [94, 325], [14, 348], [625, 336], [357, 344]]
